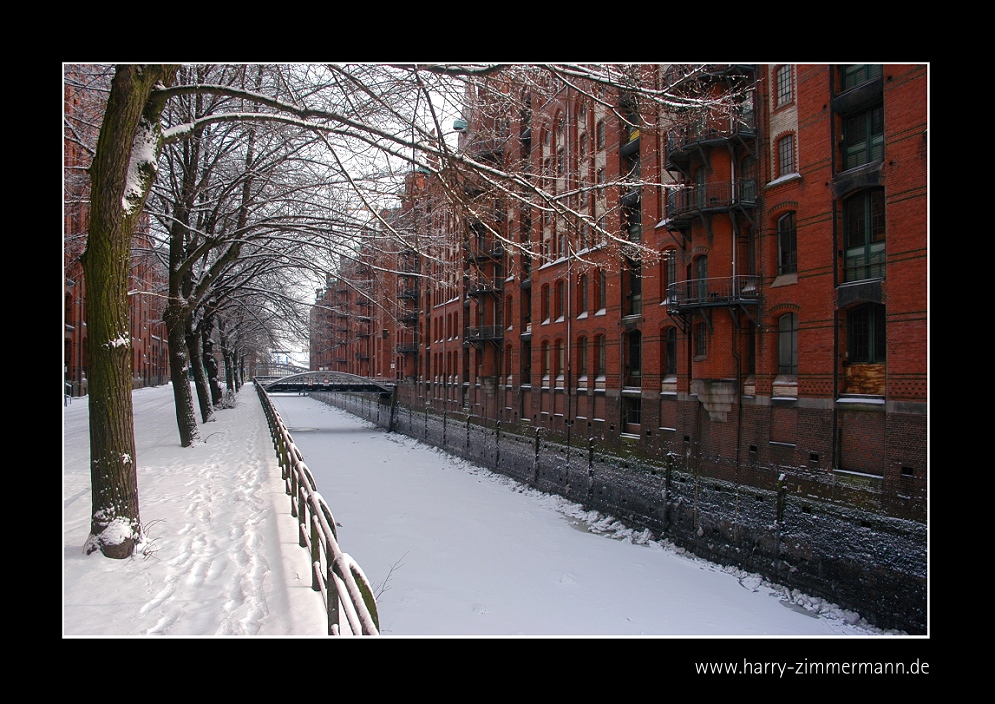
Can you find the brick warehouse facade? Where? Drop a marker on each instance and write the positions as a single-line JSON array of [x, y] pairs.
[[754, 323]]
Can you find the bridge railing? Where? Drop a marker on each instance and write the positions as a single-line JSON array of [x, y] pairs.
[[343, 586]]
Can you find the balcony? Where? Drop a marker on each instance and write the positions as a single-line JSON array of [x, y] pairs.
[[485, 284], [694, 294], [410, 293], [486, 148], [407, 348], [484, 249], [483, 333], [677, 74], [708, 130], [687, 202]]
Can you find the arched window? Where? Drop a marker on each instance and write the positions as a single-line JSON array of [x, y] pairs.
[[786, 155], [582, 295], [699, 279], [787, 245], [602, 354], [785, 85], [582, 356], [787, 344]]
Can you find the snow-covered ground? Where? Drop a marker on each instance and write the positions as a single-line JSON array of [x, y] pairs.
[[451, 549]]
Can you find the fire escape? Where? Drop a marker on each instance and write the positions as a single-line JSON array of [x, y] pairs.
[[703, 197]]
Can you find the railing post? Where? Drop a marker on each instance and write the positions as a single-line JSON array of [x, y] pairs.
[[315, 550]]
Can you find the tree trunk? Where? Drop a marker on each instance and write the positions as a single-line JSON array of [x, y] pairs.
[[194, 351], [179, 373], [120, 177]]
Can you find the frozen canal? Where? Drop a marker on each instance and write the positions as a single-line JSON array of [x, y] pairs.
[[454, 549]]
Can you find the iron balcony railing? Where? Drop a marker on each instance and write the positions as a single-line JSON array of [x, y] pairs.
[[485, 284], [484, 332], [720, 291], [710, 127], [478, 249], [686, 201]]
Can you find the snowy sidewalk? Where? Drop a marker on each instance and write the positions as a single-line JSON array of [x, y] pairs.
[[222, 556]]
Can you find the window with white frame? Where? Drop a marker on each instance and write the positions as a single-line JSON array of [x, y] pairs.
[[786, 155], [785, 85]]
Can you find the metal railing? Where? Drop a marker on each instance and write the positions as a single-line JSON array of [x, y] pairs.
[[484, 332], [711, 196], [343, 586], [718, 291]]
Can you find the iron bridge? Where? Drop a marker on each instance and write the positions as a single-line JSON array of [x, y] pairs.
[[324, 381]]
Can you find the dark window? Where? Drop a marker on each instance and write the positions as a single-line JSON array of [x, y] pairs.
[[600, 134], [670, 352], [863, 137], [864, 235], [866, 334], [700, 339], [602, 289], [700, 277], [526, 361], [855, 74], [787, 344], [602, 345], [632, 411], [633, 301], [634, 358], [582, 294], [787, 243], [669, 272], [785, 87], [786, 155], [748, 180]]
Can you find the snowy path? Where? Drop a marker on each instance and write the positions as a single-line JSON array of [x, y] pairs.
[[222, 553]]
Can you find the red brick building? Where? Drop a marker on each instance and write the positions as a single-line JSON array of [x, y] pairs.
[[740, 282]]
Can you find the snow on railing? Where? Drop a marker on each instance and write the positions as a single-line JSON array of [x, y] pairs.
[[342, 583]]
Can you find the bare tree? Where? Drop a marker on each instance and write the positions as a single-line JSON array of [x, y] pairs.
[[350, 133]]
